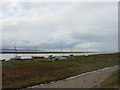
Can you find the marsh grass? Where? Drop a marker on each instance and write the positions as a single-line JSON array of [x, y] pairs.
[[21, 74]]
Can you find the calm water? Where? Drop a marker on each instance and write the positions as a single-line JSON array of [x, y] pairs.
[[8, 56]]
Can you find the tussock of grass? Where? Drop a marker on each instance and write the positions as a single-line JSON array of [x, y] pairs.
[[20, 74]]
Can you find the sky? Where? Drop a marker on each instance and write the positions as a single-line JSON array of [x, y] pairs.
[[46, 25]]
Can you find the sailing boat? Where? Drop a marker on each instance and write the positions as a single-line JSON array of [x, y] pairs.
[[16, 56], [60, 57], [71, 52], [36, 57]]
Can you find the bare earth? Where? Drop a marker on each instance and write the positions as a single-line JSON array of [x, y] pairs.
[[85, 80]]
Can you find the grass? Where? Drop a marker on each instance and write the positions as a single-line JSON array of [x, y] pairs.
[[110, 82], [21, 74]]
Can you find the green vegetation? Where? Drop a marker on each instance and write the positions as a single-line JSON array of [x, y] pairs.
[[21, 74], [110, 82]]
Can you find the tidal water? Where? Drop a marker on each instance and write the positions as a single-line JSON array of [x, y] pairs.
[[8, 56]]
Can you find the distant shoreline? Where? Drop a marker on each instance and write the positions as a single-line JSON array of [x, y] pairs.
[[31, 52]]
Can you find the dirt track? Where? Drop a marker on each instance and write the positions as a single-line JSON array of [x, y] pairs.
[[86, 80]]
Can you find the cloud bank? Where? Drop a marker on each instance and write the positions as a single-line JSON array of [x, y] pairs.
[[80, 26]]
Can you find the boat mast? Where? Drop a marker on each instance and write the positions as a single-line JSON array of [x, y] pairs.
[[61, 48], [35, 50], [15, 50], [71, 50]]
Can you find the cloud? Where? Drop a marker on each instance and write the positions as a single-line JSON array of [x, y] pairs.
[[46, 25]]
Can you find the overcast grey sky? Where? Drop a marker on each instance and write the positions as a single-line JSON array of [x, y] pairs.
[[81, 26]]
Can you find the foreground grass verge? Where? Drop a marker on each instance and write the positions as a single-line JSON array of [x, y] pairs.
[[110, 82], [21, 74]]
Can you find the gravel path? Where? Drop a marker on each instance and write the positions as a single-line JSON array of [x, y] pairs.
[[85, 80]]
